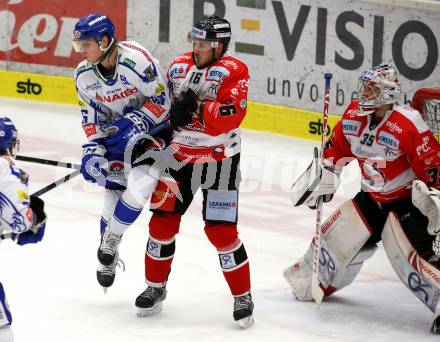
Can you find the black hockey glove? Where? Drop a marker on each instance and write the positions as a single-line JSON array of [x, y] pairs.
[[37, 206], [183, 110]]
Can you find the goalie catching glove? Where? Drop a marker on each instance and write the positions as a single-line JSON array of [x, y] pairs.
[[321, 178], [427, 200]]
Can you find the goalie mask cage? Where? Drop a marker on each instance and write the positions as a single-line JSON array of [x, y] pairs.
[[427, 102]]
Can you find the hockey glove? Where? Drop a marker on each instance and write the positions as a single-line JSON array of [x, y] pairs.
[[36, 233], [328, 184], [183, 110], [93, 163], [124, 132]]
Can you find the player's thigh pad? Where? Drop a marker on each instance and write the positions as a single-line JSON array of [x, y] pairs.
[[418, 275], [220, 205]]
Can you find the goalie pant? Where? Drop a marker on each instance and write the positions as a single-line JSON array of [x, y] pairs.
[[349, 237], [220, 205]]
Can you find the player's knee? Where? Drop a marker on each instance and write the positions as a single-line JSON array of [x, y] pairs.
[[221, 235], [164, 226]]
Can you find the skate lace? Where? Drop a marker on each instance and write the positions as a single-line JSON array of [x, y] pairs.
[[110, 242], [152, 293], [242, 302], [110, 270]]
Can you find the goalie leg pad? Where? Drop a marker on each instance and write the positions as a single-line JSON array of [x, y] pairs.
[[344, 234], [418, 275]]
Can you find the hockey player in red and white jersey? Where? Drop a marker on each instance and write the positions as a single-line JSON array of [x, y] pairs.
[[209, 103], [398, 203]]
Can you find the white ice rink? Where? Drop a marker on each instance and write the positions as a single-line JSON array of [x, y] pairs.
[[54, 295]]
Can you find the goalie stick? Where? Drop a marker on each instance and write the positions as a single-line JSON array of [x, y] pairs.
[[317, 292]]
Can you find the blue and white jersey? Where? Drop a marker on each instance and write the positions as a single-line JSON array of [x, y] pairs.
[[138, 85], [15, 214]]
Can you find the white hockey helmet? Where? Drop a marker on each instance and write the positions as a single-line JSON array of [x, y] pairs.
[[378, 86]]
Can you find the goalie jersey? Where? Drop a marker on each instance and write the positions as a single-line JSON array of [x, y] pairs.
[[137, 85], [391, 154], [15, 214]]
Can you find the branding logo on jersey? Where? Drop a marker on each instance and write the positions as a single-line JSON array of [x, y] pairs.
[[178, 70], [151, 73], [154, 108], [243, 104], [160, 99], [131, 63], [244, 84], [390, 153], [230, 63], [116, 166], [316, 127], [182, 57], [393, 127], [423, 148], [389, 140], [352, 113], [217, 74], [160, 88], [93, 86], [118, 96], [89, 129], [124, 80], [29, 87], [351, 127], [212, 91]]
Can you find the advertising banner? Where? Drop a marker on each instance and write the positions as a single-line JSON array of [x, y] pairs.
[[287, 44], [40, 32]]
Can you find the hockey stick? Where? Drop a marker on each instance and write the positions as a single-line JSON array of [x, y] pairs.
[[317, 292], [42, 191], [48, 162]]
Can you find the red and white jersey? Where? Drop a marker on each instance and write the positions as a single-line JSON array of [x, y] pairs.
[[223, 88], [391, 154]]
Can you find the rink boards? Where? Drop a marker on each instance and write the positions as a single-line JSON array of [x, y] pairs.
[[289, 121]]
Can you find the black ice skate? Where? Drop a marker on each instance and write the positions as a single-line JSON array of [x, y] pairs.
[[106, 274], [243, 308], [150, 301], [108, 247]]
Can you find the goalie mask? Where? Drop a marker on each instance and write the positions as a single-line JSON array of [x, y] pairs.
[[378, 86], [9, 142]]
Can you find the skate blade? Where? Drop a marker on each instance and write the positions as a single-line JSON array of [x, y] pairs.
[[142, 312], [246, 322]]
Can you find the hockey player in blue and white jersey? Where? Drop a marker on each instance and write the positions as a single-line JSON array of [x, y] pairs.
[[21, 215], [123, 95]]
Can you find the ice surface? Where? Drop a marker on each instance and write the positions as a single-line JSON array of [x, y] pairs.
[[52, 288]]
